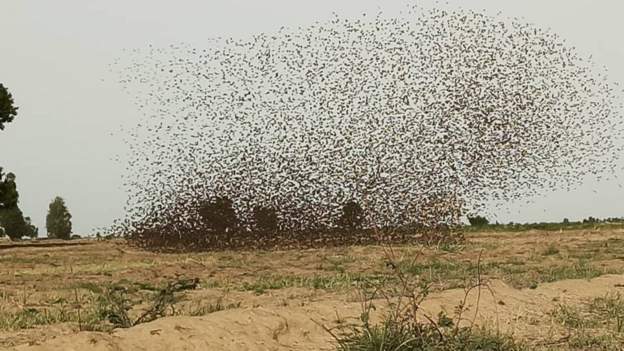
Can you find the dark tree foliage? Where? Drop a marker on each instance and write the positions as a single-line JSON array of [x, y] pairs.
[[478, 221], [219, 215], [12, 220], [30, 230], [8, 110], [352, 216], [265, 219], [11, 217], [58, 220], [8, 191]]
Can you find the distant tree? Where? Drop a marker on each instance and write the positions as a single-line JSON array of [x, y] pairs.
[[219, 214], [11, 217], [265, 219], [58, 220], [478, 221], [12, 220], [8, 110], [8, 191], [566, 221], [30, 229], [352, 216]]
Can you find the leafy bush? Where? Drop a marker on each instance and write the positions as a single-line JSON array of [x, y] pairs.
[[393, 336], [114, 304], [8, 191], [408, 328], [352, 216], [219, 215], [265, 219], [478, 221]]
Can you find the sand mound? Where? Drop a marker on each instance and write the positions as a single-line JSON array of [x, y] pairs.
[[521, 312]]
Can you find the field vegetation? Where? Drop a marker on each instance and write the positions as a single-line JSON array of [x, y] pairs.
[[106, 285]]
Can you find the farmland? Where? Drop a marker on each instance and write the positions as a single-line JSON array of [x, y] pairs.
[[543, 288]]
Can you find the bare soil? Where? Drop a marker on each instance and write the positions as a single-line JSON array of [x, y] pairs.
[[284, 300]]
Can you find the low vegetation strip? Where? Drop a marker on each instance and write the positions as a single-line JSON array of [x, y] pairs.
[[198, 241], [43, 244]]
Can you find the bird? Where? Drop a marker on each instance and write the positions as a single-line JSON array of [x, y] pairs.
[[418, 118]]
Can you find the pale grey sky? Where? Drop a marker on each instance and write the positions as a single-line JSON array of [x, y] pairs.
[[54, 58]]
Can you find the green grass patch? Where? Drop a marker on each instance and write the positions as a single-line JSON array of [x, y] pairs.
[[338, 281]]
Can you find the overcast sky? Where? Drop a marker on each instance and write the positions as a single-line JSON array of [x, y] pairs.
[[54, 58]]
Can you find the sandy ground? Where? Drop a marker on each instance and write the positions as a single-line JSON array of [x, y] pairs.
[[294, 315], [519, 312]]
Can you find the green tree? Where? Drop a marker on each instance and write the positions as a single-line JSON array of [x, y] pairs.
[[265, 219], [58, 220], [30, 230], [12, 220], [11, 217], [219, 214], [8, 191], [478, 221], [8, 110], [352, 216]]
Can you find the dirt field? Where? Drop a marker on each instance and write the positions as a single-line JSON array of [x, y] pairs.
[[552, 290]]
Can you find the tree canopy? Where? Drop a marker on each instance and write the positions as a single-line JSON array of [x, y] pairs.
[[58, 220], [478, 221], [11, 218], [8, 191], [8, 110]]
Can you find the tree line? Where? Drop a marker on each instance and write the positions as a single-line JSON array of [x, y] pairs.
[[219, 215], [479, 223], [13, 223]]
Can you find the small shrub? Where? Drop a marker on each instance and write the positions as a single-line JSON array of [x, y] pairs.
[[478, 221], [219, 214], [352, 216], [570, 317], [441, 336], [408, 328], [113, 306], [610, 309], [265, 219]]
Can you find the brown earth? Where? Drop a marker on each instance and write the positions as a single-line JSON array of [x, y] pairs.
[[284, 300]]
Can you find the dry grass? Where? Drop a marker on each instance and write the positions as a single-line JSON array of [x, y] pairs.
[[56, 285]]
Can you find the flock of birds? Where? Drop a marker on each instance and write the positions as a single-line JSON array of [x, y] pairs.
[[419, 118]]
